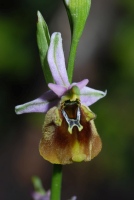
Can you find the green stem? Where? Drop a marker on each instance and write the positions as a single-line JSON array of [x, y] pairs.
[[56, 182], [71, 59]]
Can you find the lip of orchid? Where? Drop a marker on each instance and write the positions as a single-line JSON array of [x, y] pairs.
[[51, 98]]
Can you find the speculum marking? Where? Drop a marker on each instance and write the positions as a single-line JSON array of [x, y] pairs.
[[73, 122]]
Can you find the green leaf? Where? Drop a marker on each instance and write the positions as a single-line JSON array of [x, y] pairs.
[[43, 41], [38, 185]]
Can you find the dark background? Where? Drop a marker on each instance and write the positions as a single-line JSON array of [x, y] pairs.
[[106, 57]]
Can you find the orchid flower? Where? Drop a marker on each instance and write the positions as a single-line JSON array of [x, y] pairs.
[[39, 196], [40, 193], [69, 133], [46, 196]]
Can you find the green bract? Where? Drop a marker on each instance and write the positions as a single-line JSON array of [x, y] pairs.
[[77, 11], [43, 41]]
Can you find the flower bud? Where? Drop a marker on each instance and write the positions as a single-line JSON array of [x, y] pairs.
[[77, 11]]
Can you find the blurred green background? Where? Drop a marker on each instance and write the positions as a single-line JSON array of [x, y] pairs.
[[106, 57]]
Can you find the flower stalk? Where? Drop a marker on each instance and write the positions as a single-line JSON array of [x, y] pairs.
[[56, 182], [71, 59]]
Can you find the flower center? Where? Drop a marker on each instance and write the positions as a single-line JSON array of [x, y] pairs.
[[71, 113]]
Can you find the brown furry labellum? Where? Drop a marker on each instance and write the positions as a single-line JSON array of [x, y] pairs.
[[69, 134]]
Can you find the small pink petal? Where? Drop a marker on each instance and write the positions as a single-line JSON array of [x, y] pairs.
[[88, 96], [40, 105], [80, 84], [56, 60], [57, 89]]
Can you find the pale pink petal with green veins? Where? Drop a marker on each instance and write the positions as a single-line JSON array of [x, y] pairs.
[[56, 60], [40, 105], [88, 96]]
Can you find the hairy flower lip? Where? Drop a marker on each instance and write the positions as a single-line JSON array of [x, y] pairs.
[[63, 144]]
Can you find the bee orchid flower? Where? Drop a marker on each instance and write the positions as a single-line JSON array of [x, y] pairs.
[[69, 133], [46, 196]]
